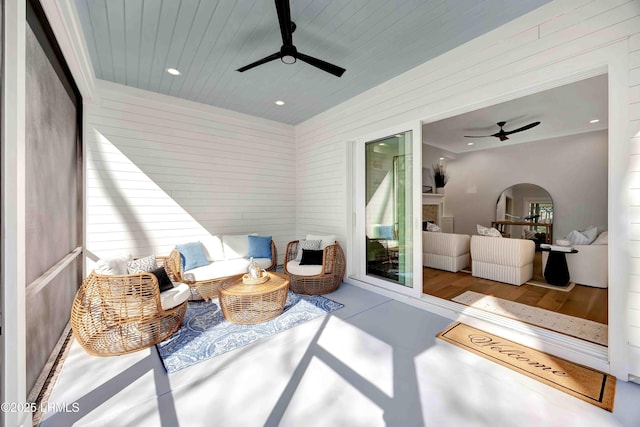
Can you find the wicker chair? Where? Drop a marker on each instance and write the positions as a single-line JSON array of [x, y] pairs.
[[114, 315], [329, 278], [205, 289]]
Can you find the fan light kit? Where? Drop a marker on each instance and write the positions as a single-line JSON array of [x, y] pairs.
[[502, 134], [288, 53]]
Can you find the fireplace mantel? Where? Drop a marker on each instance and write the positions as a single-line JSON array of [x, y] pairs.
[[432, 199]]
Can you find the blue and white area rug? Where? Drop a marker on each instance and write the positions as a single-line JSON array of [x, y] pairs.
[[205, 332]]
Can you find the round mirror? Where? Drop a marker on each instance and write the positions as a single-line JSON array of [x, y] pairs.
[[525, 211]]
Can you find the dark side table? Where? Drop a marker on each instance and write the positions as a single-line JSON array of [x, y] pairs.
[[556, 272]]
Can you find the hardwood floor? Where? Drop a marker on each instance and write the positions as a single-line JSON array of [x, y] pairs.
[[582, 301]]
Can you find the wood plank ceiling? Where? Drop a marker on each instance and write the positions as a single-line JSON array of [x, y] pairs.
[[133, 42]]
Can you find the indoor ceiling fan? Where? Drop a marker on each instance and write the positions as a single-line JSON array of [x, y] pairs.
[[502, 134], [288, 53]]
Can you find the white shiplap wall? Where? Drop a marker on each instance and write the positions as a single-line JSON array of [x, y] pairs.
[[565, 37], [161, 171], [634, 200], [320, 190]]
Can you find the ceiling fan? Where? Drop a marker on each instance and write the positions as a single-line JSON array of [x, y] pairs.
[[502, 134], [288, 53]]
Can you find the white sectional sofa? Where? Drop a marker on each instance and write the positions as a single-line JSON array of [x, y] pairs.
[[501, 259], [445, 251], [589, 267]]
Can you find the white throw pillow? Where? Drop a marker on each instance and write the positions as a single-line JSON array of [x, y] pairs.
[[487, 231], [432, 227], [236, 246], [326, 240], [584, 237], [142, 265], [213, 248], [603, 239], [116, 265]]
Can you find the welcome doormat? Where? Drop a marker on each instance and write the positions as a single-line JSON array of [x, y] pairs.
[[205, 332], [587, 330], [579, 381]]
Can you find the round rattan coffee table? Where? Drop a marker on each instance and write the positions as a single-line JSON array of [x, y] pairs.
[[250, 304]]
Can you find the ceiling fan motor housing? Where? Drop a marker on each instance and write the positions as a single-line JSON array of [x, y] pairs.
[[288, 54]]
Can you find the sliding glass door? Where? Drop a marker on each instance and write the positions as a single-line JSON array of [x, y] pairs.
[[388, 209]]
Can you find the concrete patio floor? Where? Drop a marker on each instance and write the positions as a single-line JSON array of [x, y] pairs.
[[375, 362]]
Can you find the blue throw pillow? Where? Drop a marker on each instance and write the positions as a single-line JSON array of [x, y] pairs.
[[192, 256], [259, 246], [385, 232]]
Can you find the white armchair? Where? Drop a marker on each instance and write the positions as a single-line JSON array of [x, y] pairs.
[[445, 251], [502, 259]]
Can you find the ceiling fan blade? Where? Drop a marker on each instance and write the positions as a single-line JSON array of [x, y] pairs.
[[264, 60], [529, 126], [284, 19], [324, 66], [288, 52]]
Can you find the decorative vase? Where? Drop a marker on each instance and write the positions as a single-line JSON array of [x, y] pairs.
[[439, 190], [254, 269]]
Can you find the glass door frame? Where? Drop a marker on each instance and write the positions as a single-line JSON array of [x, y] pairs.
[[357, 268]]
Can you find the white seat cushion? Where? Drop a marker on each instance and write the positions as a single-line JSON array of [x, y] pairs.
[[294, 267], [174, 297]]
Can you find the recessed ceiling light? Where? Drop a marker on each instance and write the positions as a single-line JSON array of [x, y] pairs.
[[441, 158], [594, 121], [279, 102], [469, 143], [173, 71]]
